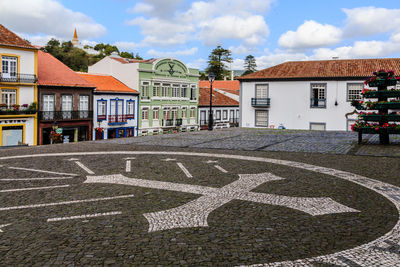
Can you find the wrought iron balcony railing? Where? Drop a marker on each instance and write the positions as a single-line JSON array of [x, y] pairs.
[[65, 115], [172, 122], [260, 102], [318, 103], [18, 78], [117, 119]]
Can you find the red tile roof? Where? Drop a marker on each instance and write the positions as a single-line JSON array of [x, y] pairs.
[[341, 68], [107, 83], [218, 99], [224, 85], [9, 38], [129, 60], [53, 72]]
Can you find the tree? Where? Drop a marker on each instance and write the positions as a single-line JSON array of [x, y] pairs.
[[249, 64], [216, 62]]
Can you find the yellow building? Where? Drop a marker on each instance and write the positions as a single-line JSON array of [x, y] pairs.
[[18, 90]]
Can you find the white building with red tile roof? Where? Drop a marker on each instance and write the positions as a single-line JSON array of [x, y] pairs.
[[115, 107], [18, 90], [307, 94]]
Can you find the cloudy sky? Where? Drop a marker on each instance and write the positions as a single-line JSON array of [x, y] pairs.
[[273, 31]]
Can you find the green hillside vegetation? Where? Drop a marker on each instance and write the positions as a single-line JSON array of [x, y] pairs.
[[78, 59]]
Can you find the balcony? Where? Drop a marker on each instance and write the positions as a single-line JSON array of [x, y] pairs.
[[18, 78], [17, 109], [318, 103], [261, 102], [117, 119], [172, 123], [65, 115]]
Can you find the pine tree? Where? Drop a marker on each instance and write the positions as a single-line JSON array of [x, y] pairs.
[[216, 62], [249, 64]]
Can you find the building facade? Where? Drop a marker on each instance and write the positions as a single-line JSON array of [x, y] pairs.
[[225, 104], [65, 103], [115, 107], [168, 99], [18, 90], [307, 95]]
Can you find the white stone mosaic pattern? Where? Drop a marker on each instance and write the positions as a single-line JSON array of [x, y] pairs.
[[384, 251], [195, 213]]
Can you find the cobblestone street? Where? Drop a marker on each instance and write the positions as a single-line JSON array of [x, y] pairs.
[[234, 197]]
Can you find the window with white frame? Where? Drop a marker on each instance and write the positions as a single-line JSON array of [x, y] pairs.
[[66, 106], [218, 115], [174, 113], [48, 105], [318, 95], [261, 90], [164, 90], [101, 109], [193, 92], [354, 91], [155, 113], [224, 114], [130, 109], [262, 118], [9, 67], [175, 90], [192, 112], [166, 114], [156, 89], [83, 106], [184, 90], [9, 97], [184, 110], [116, 107], [145, 113], [145, 90]]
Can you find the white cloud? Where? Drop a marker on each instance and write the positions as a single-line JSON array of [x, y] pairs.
[[241, 50], [367, 21], [187, 52], [127, 46], [252, 29], [157, 8], [47, 17], [141, 8], [309, 35], [199, 63]]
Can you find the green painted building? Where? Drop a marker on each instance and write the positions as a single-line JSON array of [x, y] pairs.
[[169, 91]]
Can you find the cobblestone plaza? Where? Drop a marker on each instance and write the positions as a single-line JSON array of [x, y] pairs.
[[234, 197]]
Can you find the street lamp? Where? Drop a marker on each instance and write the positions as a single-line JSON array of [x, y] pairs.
[[211, 78], [54, 126]]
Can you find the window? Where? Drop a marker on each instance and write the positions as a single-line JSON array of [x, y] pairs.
[[354, 91], [83, 106], [155, 113], [9, 97], [317, 126], [130, 109], [156, 89], [101, 110], [184, 110], [174, 113], [145, 114], [261, 90], [225, 114], [218, 115], [184, 90], [193, 92], [9, 67], [165, 114], [164, 90], [48, 107], [66, 106], [116, 106], [262, 118], [318, 95], [192, 112], [175, 90], [130, 132], [145, 90]]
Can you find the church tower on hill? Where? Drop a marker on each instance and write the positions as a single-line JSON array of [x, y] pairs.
[[75, 40]]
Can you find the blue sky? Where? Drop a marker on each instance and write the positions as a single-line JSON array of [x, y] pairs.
[[273, 31]]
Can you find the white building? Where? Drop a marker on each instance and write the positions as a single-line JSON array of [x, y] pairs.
[[225, 104], [18, 90], [115, 107], [306, 95]]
